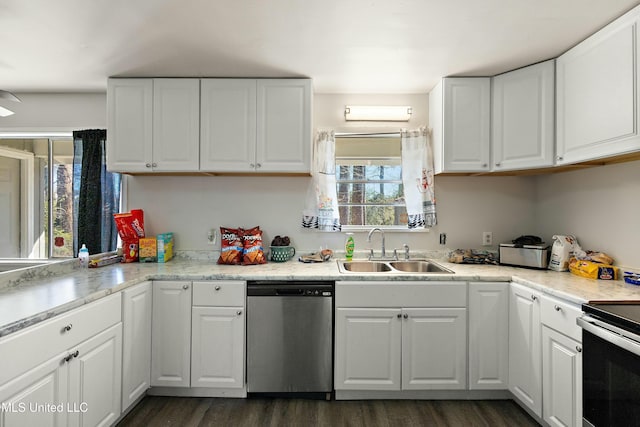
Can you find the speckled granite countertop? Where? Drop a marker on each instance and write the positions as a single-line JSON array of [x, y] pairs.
[[26, 299]]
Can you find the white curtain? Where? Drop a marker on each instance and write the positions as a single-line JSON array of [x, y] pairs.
[[321, 207], [417, 178]]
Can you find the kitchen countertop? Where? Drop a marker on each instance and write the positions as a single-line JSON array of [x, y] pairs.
[[44, 292]]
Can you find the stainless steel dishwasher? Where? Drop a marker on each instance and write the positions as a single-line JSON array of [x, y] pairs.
[[290, 337]]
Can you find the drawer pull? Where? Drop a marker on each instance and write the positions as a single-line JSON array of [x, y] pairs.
[[406, 316], [557, 307], [534, 298], [239, 312], [579, 349], [71, 356], [67, 328], [399, 316], [185, 287], [217, 288]]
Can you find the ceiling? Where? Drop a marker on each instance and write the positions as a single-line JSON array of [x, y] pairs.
[[348, 46]]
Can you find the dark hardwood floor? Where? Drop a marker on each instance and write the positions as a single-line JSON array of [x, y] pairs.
[[177, 411]]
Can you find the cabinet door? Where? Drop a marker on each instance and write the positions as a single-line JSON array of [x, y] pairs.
[[434, 349], [525, 376], [523, 117], [228, 125], [488, 336], [217, 347], [367, 349], [171, 334], [597, 94], [284, 125], [176, 125], [42, 385], [136, 342], [562, 379], [129, 125], [466, 124], [95, 379]]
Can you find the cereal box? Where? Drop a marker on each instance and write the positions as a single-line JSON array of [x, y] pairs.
[[165, 247], [147, 249]]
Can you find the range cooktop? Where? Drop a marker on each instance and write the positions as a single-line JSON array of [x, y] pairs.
[[625, 314]]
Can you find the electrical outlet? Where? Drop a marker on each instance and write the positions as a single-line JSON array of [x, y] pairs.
[[487, 238], [212, 237]]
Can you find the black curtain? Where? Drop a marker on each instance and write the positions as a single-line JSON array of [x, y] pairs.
[[98, 193]]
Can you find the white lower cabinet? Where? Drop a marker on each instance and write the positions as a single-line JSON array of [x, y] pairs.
[[400, 348], [136, 342], [171, 334], [489, 336], [525, 376]]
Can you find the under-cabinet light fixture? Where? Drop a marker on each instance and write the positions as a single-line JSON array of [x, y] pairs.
[[379, 113], [5, 95]]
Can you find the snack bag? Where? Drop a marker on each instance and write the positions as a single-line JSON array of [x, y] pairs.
[[593, 270], [561, 251], [230, 246], [252, 245], [130, 250]]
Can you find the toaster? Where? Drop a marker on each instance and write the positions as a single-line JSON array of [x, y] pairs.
[[532, 255]]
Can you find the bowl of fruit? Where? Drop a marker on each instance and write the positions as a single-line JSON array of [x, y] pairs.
[[281, 251]]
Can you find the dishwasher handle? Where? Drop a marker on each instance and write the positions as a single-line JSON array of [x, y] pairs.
[[289, 292]]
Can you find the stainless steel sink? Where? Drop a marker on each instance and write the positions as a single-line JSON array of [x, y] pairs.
[[365, 266], [393, 267]]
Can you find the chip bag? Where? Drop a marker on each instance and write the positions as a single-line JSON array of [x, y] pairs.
[[230, 246], [593, 270], [252, 245]]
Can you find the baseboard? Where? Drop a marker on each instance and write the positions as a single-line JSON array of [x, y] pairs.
[[198, 392], [424, 394]]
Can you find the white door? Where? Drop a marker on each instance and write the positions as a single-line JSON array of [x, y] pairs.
[[367, 349], [95, 379], [42, 385], [284, 125], [523, 116], [136, 342], [466, 124], [525, 370], [561, 379], [129, 125], [489, 336], [598, 95], [217, 347], [228, 125], [434, 349], [9, 208], [176, 125], [171, 334]]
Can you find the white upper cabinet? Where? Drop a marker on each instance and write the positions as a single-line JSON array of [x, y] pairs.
[[522, 131], [228, 125], [176, 130], [597, 94], [153, 125], [129, 125], [283, 125], [460, 119]]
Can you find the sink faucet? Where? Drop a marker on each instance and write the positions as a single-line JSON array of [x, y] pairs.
[[369, 240]]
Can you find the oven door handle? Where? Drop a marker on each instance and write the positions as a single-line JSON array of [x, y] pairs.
[[610, 333]]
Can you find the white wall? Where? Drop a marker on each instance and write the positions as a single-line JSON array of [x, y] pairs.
[[600, 206], [56, 112]]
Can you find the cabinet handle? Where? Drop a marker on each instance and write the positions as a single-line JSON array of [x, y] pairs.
[[217, 288], [534, 298], [559, 158], [155, 165], [557, 307], [406, 316], [67, 328], [484, 165], [239, 312], [399, 316], [579, 349], [258, 165], [148, 165], [70, 356], [76, 354], [252, 166], [497, 164], [185, 287]]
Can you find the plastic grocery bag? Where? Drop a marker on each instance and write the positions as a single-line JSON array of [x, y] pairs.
[[561, 252]]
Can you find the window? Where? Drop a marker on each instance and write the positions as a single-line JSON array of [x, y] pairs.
[[369, 180], [37, 197]]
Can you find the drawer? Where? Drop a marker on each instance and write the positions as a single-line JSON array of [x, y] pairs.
[[219, 293], [561, 316], [25, 349], [401, 294]]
